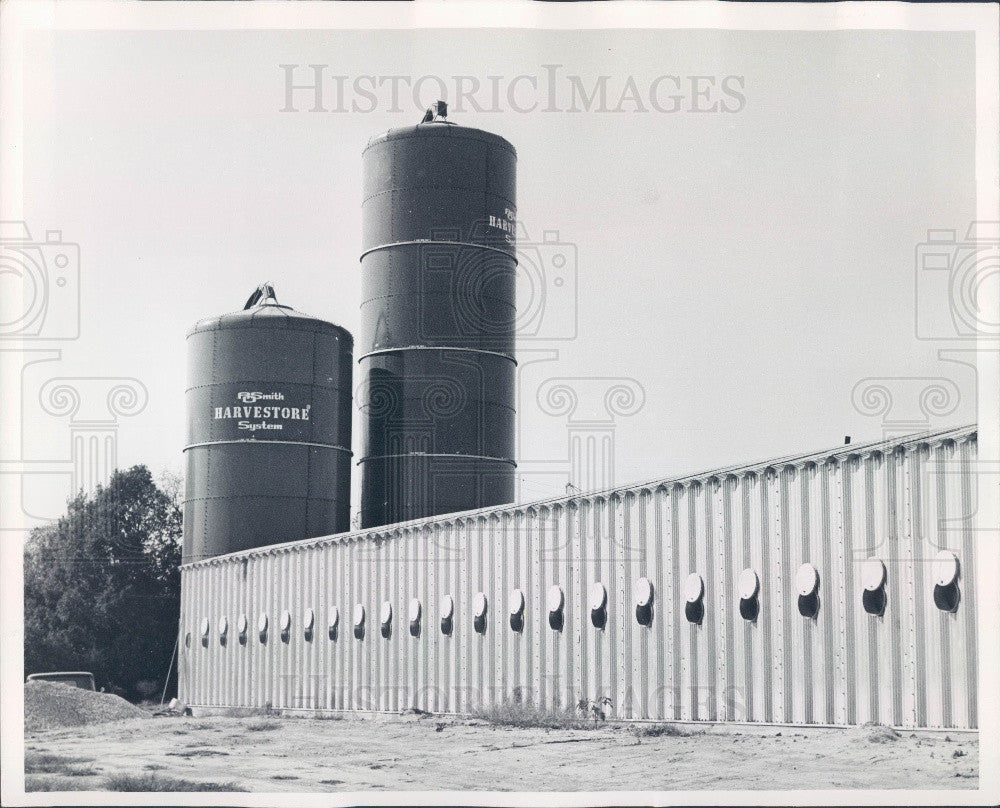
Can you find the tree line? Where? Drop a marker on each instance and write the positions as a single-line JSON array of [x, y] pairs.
[[102, 585]]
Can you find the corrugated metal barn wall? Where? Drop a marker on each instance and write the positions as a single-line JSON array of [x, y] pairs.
[[901, 501]]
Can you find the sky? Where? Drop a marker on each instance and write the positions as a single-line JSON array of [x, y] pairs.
[[740, 272]]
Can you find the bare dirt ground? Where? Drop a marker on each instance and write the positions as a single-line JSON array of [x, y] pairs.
[[409, 752]]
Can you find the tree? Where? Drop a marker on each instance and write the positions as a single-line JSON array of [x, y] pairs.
[[102, 585]]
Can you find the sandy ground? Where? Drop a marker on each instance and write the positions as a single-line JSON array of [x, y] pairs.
[[427, 752]]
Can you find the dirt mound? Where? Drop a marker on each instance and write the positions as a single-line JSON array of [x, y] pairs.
[[48, 705], [879, 733]]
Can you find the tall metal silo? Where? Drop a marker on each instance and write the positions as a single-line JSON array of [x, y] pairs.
[[269, 429], [438, 319]]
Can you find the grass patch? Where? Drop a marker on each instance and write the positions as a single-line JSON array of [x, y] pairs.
[[659, 731], [262, 726], [197, 751], [251, 712], [284, 777], [159, 782], [48, 763], [52, 782], [528, 716]]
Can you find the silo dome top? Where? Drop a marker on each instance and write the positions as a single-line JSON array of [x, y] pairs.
[[435, 124], [263, 310]]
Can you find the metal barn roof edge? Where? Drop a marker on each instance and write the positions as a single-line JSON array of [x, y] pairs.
[[837, 453]]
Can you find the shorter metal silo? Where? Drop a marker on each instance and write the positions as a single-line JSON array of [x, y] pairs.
[[269, 429]]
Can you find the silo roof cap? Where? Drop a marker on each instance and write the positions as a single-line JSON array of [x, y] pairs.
[[440, 128], [263, 310]]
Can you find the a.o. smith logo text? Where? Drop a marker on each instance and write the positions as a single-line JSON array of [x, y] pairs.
[[250, 398], [252, 417]]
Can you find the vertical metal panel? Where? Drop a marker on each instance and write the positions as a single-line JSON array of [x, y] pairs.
[[914, 665]]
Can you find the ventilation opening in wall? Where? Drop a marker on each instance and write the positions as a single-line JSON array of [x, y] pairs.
[[809, 605], [750, 608], [874, 601], [946, 568], [480, 605], [556, 620], [517, 622], [599, 604], [694, 612], [946, 598], [807, 583], [385, 620], [642, 594], [446, 610], [358, 616], [414, 613]]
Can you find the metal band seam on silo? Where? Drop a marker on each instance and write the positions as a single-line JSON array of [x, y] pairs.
[[253, 442], [438, 316]]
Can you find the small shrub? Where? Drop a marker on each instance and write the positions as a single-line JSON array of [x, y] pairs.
[[324, 716], [262, 726], [527, 716], [157, 782], [659, 731]]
